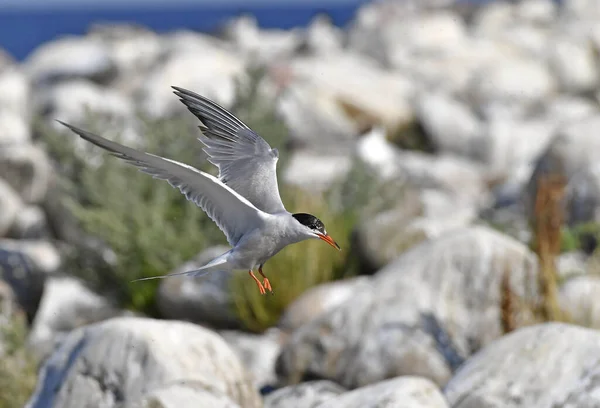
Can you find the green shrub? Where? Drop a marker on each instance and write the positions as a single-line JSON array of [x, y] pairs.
[[582, 236], [18, 368]]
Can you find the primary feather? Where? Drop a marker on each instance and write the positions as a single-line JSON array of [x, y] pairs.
[[246, 162]]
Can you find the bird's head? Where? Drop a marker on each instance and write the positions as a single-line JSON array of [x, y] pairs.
[[314, 228]]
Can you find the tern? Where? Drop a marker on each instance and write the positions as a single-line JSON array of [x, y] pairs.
[[243, 200]]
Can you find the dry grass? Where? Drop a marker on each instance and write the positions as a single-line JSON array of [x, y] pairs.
[[507, 303], [548, 222]]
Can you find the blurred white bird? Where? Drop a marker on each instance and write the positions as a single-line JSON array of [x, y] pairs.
[[243, 201]]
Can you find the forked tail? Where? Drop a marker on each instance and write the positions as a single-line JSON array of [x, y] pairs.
[[217, 264]]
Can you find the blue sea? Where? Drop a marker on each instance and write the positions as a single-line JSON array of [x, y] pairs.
[[22, 30], [25, 24]]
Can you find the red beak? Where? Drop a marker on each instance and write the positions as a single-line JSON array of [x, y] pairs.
[[329, 240]]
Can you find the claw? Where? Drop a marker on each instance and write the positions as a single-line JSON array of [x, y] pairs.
[[266, 282], [260, 286], [267, 285]]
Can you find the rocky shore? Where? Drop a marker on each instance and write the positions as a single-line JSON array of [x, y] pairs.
[[471, 111]]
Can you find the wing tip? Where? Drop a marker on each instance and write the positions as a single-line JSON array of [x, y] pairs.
[[72, 128], [64, 123], [185, 94]]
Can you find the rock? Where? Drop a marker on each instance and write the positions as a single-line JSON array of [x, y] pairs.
[[43, 254], [6, 60], [65, 305], [314, 119], [381, 238], [506, 214], [14, 129], [10, 205], [439, 31], [326, 106], [379, 94], [495, 17], [422, 314], [124, 360], [526, 39], [261, 45], [322, 37], [571, 264], [378, 27], [582, 196], [310, 394], [257, 352], [78, 101], [374, 150], [317, 173], [574, 64], [14, 92], [184, 394], [26, 282], [182, 42], [577, 299], [94, 254], [401, 392], [573, 151], [512, 146], [450, 125], [70, 58], [194, 62], [318, 301], [511, 86], [541, 12], [546, 365], [580, 9], [204, 300], [27, 169], [461, 179], [133, 49], [30, 223], [565, 108]]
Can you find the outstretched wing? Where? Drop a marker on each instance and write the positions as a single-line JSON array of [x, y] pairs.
[[232, 213], [245, 160]]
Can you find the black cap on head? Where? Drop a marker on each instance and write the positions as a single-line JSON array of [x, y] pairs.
[[310, 221]]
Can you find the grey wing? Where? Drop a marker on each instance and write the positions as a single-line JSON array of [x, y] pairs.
[[245, 160], [232, 213]]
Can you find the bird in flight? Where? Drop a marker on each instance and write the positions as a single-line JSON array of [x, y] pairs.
[[243, 200]]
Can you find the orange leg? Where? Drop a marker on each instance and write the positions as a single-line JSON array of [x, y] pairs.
[[260, 286], [266, 282]]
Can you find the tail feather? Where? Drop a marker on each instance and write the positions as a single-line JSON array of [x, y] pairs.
[[219, 263], [195, 273]]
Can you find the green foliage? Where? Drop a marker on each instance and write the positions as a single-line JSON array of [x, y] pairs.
[[18, 369], [582, 236]]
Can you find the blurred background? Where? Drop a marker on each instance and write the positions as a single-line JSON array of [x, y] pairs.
[[450, 147]]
